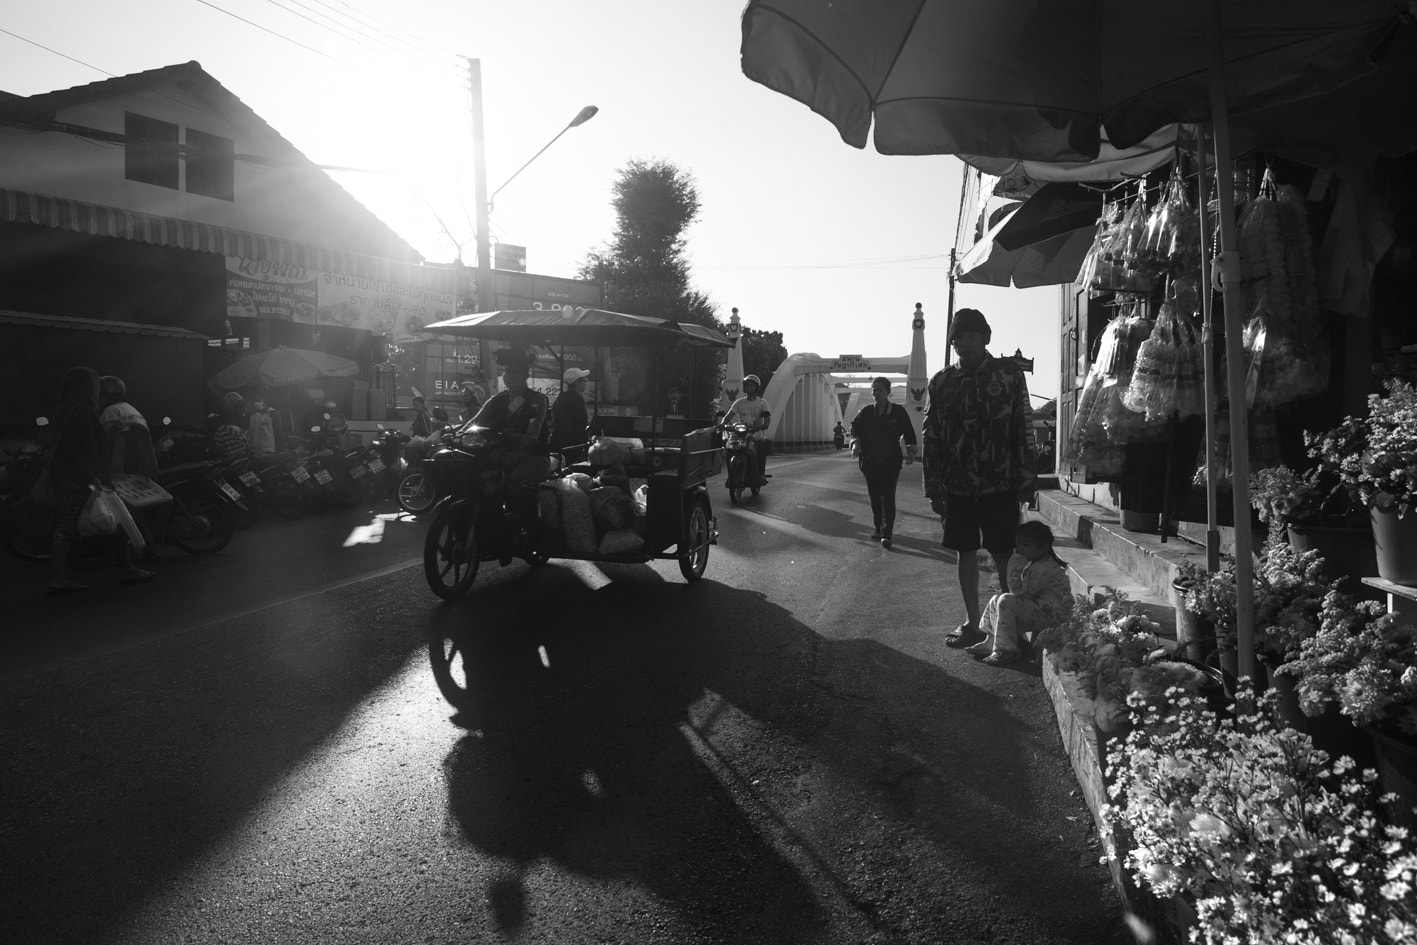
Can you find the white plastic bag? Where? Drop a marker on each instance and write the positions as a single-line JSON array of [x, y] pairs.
[[105, 514]]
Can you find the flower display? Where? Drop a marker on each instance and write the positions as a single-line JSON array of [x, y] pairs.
[[1272, 840], [1112, 649], [1289, 592], [1364, 660], [1376, 456], [1281, 495]]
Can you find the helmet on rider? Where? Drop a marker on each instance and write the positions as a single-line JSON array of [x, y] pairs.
[[754, 380]]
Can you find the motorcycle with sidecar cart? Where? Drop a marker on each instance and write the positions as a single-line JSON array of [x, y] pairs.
[[486, 513]]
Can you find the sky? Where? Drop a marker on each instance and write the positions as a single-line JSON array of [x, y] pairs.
[[830, 245]]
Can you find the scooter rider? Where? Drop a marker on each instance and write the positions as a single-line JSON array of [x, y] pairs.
[[839, 435], [752, 410]]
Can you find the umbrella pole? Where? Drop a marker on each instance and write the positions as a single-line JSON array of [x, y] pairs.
[[1212, 502], [1234, 353]]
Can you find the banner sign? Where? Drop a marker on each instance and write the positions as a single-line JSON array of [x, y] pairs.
[[851, 362], [264, 289]]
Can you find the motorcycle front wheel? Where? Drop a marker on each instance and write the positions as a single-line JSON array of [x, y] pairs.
[[415, 493], [450, 552]]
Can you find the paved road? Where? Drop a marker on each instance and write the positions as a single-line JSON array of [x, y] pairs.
[[255, 748]]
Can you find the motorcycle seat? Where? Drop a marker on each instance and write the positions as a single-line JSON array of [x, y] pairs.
[[182, 472]]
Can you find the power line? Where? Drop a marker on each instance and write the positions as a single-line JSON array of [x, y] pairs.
[[58, 53], [337, 28], [395, 27], [388, 36]]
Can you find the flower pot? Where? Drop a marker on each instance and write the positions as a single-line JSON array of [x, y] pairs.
[[1331, 731], [1195, 633], [1349, 554], [1228, 659], [1397, 773], [1396, 539]]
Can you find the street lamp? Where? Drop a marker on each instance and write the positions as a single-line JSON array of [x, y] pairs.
[[583, 116]]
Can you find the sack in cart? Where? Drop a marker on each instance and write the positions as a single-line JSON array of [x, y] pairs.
[[140, 492]]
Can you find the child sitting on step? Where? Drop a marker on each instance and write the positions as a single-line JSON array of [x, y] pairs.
[[1037, 591]]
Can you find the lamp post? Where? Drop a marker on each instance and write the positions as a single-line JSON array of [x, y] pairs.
[[484, 203]]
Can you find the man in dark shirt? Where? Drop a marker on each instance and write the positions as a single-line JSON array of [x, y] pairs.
[[978, 435], [569, 417]]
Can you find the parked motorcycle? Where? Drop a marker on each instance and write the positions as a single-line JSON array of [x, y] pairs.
[[416, 492], [198, 520], [388, 463]]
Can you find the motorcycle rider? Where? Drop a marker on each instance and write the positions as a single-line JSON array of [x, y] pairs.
[[752, 410], [839, 435]]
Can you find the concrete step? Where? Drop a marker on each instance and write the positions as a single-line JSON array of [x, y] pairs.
[[1100, 553]]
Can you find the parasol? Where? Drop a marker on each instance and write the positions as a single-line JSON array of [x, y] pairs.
[[1054, 260], [281, 367], [577, 326], [1048, 82]]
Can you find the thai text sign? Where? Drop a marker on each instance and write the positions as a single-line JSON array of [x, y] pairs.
[[850, 362], [264, 289]]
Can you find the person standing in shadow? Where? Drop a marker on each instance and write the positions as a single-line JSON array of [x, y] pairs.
[[978, 435], [76, 466], [876, 432]]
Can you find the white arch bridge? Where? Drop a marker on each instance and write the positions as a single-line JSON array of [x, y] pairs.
[[804, 395]]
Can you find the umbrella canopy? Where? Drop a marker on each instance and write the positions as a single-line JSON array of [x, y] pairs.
[[281, 367], [1052, 261], [1050, 81], [1053, 210], [577, 326]]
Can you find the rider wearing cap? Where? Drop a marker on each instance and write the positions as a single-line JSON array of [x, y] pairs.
[[752, 410]]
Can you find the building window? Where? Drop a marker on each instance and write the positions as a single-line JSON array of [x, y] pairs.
[[150, 156], [211, 161]]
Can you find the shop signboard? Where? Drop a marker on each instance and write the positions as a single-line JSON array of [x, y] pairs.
[[265, 289], [847, 363]]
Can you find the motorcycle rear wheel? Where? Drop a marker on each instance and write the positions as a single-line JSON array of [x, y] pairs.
[[450, 552], [696, 535], [217, 533], [29, 531]]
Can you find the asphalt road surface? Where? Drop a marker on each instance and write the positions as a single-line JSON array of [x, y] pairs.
[[256, 747]]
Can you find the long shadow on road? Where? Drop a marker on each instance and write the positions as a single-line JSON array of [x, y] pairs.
[[121, 771], [773, 784]]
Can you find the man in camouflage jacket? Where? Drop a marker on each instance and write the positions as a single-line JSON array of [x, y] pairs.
[[978, 439]]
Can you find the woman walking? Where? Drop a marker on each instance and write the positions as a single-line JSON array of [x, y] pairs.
[[74, 466], [876, 434]]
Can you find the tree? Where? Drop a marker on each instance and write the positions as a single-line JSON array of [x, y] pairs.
[[645, 272], [763, 351]]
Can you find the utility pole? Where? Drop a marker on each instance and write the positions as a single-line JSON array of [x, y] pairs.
[[484, 237]]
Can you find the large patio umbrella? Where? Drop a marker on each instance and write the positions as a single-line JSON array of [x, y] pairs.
[[1054, 260], [282, 367], [1024, 80]]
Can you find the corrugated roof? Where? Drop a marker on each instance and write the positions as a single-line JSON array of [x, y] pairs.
[[35, 320]]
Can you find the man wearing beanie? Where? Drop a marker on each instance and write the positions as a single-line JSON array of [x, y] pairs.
[[978, 438]]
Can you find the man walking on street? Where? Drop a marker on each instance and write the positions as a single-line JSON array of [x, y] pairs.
[[978, 438]]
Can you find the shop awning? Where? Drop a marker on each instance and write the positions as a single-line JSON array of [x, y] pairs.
[[32, 320], [77, 216]]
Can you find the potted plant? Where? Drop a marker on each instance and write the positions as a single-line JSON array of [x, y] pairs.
[[1376, 458], [1114, 651], [1265, 837], [1317, 511], [1209, 597], [1363, 660], [1289, 592]]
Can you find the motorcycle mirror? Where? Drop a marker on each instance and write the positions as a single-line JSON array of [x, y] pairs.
[[327, 416], [167, 421], [379, 425], [315, 428], [41, 421]]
